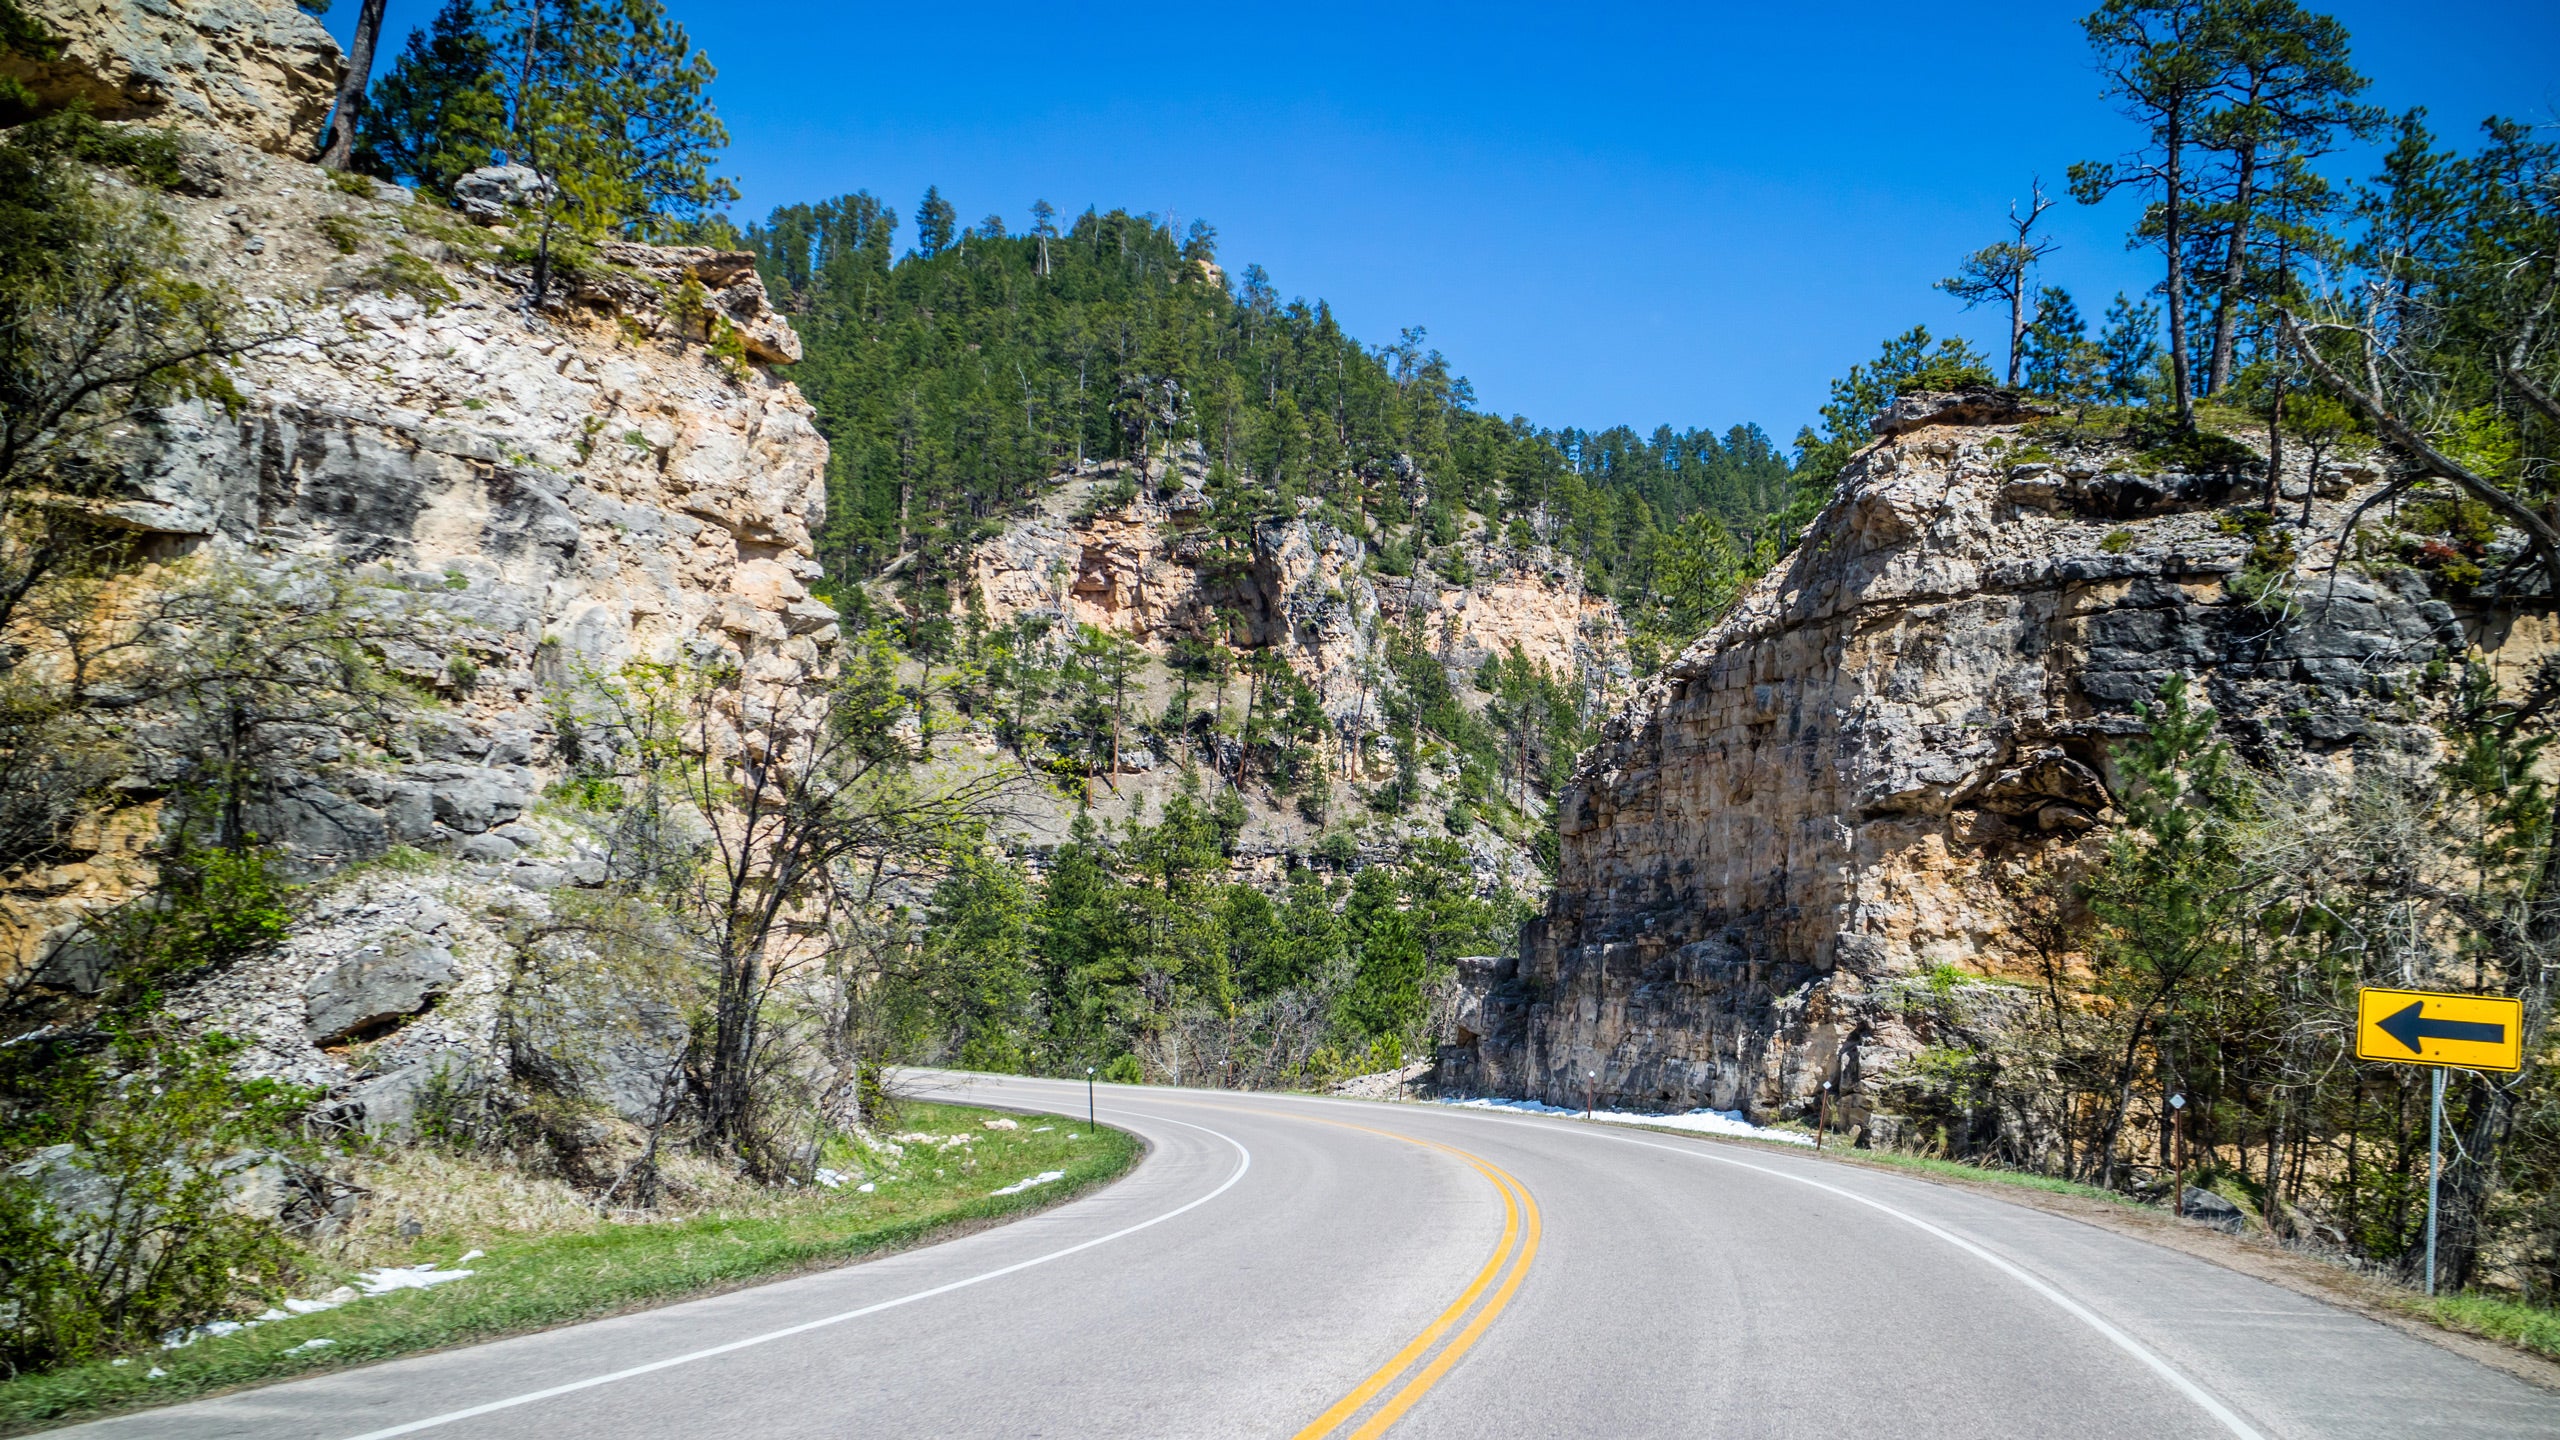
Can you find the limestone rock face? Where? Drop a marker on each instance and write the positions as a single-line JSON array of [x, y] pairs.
[[1153, 572], [1835, 789], [574, 490], [259, 71]]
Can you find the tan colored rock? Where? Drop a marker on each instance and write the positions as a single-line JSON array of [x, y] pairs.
[[580, 497], [259, 71], [1843, 784]]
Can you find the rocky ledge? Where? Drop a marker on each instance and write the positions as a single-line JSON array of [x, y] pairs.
[[1839, 787]]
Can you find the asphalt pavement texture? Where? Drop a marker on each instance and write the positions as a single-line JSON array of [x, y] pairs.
[[1294, 1266]]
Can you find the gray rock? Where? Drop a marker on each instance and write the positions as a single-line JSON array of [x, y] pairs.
[[73, 959], [613, 1048], [1957, 407], [490, 849], [369, 991], [490, 194], [390, 1106], [473, 801], [2206, 1208]]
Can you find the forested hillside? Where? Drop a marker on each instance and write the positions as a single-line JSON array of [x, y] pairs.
[[960, 376]]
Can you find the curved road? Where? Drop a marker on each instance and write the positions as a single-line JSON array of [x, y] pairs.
[[1298, 1267]]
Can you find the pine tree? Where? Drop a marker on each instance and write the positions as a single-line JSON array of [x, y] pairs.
[[2160, 60], [608, 100], [2128, 349], [2060, 360], [436, 116], [934, 217], [2286, 91], [1999, 272]]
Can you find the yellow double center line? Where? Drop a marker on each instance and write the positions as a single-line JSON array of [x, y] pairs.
[[1501, 1275]]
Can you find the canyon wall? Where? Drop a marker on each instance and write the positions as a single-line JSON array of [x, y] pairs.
[[1841, 786], [563, 489]]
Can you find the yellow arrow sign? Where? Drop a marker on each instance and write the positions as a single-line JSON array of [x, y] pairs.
[[2427, 1027]]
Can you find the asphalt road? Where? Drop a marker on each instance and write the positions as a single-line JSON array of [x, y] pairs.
[[1286, 1266]]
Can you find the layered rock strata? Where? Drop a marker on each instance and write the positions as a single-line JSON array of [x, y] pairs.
[[1153, 572], [1836, 789], [617, 475]]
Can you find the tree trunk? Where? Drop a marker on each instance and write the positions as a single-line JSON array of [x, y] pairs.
[[2235, 271], [2172, 239], [349, 111], [2017, 320]]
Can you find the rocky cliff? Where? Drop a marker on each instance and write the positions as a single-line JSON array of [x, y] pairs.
[[1152, 568], [1841, 786], [562, 489]]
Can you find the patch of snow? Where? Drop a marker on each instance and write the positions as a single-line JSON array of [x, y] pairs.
[[311, 1344], [1042, 1129], [470, 1255], [406, 1277], [120, 1361], [304, 1307], [1043, 1178], [1696, 1122], [832, 1179], [155, 1373], [865, 1188]]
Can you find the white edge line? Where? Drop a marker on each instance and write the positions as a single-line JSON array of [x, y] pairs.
[[2203, 1398], [1244, 1162]]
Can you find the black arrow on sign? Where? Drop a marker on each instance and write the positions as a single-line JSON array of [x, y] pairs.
[[2410, 1026]]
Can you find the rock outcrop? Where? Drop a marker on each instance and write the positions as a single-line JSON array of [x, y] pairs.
[[259, 71], [1152, 571], [1837, 788], [618, 474]]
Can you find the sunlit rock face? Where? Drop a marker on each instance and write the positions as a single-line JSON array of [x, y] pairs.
[[259, 71], [1851, 778]]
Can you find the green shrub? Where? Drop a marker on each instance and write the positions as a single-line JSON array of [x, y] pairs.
[[128, 1228], [1125, 1070], [340, 231], [2118, 541]]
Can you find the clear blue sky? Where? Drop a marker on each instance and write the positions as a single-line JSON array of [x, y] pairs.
[[1693, 214]]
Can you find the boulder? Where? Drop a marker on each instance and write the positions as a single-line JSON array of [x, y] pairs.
[[260, 71], [391, 1105], [492, 194], [2206, 1208], [369, 991], [1956, 407], [611, 1046]]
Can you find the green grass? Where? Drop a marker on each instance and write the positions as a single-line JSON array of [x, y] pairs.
[[533, 1282], [1955, 1170], [2527, 1327], [1839, 1148]]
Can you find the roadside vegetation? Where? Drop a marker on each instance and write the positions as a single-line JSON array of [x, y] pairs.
[[542, 1254]]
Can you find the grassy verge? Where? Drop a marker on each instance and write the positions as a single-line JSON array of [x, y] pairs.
[[2527, 1327], [1990, 1175], [526, 1283], [1928, 1165]]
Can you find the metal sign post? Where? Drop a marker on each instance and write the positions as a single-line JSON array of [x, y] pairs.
[[2435, 1171], [2178, 1152], [2441, 1031], [1088, 1101]]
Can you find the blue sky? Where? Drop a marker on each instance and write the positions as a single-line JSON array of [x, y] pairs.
[[1694, 215]]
